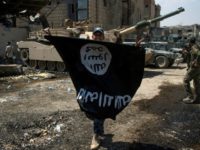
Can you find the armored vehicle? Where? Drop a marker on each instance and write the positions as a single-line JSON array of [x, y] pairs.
[[160, 58], [36, 52]]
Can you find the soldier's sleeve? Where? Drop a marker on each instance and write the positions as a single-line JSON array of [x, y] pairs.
[[198, 55], [198, 58]]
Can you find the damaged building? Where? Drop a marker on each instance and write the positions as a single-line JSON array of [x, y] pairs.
[[107, 13]]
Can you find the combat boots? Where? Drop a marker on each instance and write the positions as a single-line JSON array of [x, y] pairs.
[[188, 100], [95, 142]]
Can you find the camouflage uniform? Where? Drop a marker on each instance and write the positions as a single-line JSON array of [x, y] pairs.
[[186, 55], [193, 73]]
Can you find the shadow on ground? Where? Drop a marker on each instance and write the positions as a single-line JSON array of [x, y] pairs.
[[177, 67], [177, 124], [151, 73], [109, 145]]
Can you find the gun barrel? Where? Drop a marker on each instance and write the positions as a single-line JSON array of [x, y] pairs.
[[134, 28], [146, 23], [160, 18], [128, 30]]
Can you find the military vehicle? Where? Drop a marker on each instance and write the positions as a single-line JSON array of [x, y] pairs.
[[160, 58], [38, 53]]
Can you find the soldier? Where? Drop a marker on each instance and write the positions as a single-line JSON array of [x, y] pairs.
[[193, 73], [9, 53], [83, 35], [98, 124]]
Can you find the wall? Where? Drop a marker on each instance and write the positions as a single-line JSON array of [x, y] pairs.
[[56, 13], [149, 9], [157, 13], [138, 11], [107, 13]]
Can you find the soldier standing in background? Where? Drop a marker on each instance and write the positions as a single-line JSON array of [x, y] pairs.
[[9, 53], [193, 73], [83, 35]]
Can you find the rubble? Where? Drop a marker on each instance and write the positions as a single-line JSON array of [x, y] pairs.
[[58, 128]]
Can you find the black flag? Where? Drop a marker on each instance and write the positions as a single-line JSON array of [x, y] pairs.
[[105, 75]]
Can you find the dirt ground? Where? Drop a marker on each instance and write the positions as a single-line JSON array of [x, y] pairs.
[[38, 111]]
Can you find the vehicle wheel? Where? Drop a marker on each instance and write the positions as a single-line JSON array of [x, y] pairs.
[[51, 66], [162, 62], [42, 65], [33, 63], [24, 54], [60, 66]]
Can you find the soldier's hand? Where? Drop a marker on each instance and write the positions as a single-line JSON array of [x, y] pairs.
[[194, 63], [138, 43]]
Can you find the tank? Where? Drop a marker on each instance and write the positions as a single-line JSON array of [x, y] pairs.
[[36, 51]]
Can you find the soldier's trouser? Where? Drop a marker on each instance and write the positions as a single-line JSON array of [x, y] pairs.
[[192, 74], [98, 126]]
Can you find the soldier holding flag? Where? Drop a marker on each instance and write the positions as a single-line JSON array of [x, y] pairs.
[[106, 75], [98, 124]]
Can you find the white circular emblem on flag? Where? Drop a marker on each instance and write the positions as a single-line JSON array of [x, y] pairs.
[[96, 58]]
